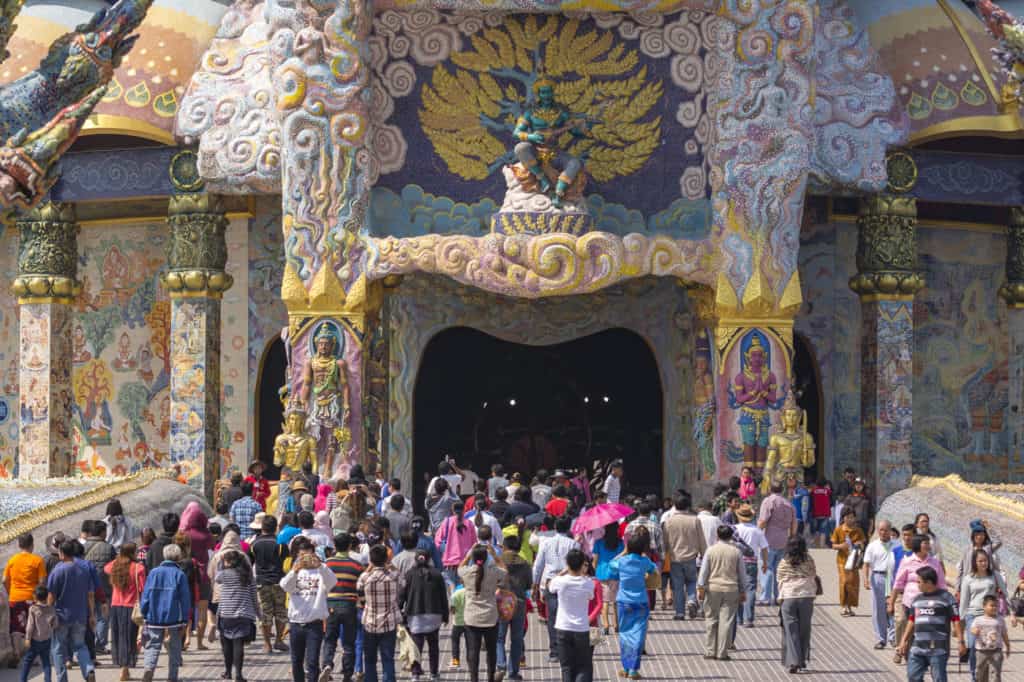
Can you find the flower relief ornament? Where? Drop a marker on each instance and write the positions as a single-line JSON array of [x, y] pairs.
[[545, 186]]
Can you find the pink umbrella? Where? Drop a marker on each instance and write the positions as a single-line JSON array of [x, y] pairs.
[[600, 516]]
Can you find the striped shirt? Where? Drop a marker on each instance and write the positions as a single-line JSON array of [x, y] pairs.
[[932, 615], [612, 488], [347, 571], [243, 511], [236, 600]]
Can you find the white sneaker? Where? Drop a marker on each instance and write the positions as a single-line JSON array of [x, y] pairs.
[[325, 674]]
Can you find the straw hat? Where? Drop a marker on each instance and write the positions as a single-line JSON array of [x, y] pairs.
[[745, 513]]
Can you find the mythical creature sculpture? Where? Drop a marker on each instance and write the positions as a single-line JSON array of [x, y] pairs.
[[1009, 31], [42, 112], [791, 451]]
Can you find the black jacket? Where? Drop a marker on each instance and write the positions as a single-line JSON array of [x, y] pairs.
[[424, 593], [155, 555]]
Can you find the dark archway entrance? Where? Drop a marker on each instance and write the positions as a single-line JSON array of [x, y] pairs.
[[809, 396], [484, 400], [269, 410]]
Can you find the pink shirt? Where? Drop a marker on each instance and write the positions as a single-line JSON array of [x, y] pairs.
[[456, 543], [906, 578], [777, 513], [748, 489]]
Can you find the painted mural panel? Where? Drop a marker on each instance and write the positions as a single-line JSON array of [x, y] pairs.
[[9, 311], [235, 387], [450, 87]]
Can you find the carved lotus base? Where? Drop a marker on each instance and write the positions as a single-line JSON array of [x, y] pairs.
[[525, 210], [526, 222]]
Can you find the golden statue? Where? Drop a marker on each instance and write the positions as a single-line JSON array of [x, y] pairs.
[[791, 451], [294, 447]]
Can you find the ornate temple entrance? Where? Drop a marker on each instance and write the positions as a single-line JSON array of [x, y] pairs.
[[484, 400]]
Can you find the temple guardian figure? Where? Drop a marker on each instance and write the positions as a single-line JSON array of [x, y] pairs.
[[294, 447], [754, 393], [325, 389], [791, 451]]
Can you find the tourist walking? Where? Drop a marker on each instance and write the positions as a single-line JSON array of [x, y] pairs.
[[923, 523], [268, 566], [482, 572], [753, 550], [342, 609], [989, 635], [307, 585], [236, 613], [684, 543], [847, 539], [244, 510], [380, 586], [99, 553], [119, 529], [613, 483], [900, 551], [778, 521], [39, 627], [127, 579], [169, 522], [550, 561], [440, 503], [200, 543], [605, 550], [424, 603], [575, 590], [634, 609], [721, 586], [859, 502], [980, 582], [797, 589], [24, 572], [520, 577], [260, 485], [454, 537], [980, 539], [72, 586], [878, 562], [540, 491], [933, 615], [165, 606]]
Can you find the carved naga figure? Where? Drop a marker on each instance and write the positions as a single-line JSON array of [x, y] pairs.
[[1009, 31], [42, 112]]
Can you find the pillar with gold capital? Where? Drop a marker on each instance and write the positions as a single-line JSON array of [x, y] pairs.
[[196, 280], [46, 286], [752, 351], [887, 279], [1012, 292]]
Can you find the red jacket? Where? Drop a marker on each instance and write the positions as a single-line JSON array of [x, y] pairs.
[[260, 489]]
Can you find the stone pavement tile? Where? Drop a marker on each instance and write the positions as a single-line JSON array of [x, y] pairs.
[[841, 651]]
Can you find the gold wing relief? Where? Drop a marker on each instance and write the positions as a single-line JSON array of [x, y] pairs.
[[470, 106]]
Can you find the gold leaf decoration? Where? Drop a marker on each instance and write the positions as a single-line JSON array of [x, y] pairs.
[[470, 104]]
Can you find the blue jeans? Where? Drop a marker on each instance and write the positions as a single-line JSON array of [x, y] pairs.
[[551, 599], [69, 639], [102, 625], [771, 585], [305, 640], [151, 654], [384, 643], [917, 664], [515, 626], [37, 649], [972, 659], [683, 575], [745, 614]]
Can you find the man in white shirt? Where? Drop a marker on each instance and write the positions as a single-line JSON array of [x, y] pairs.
[[613, 484], [756, 549], [709, 522], [549, 562], [878, 560], [572, 624]]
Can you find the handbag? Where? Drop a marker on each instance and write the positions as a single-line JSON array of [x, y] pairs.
[[855, 559], [137, 617], [818, 589], [506, 602]]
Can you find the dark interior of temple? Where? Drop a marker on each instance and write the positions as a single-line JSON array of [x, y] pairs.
[[269, 409], [483, 400]]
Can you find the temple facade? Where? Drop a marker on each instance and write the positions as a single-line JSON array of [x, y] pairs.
[[285, 206]]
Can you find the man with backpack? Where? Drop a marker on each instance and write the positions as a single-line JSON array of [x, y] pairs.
[[753, 546]]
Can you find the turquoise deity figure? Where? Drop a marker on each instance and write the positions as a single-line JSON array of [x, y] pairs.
[[538, 129]]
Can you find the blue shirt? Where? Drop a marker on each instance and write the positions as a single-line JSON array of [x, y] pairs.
[[631, 571], [71, 583], [899, 553], [801, 498], [242, 512], [287, 533], [604, 558]]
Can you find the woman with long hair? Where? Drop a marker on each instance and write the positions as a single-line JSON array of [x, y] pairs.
[[127, 578], [454, 539], [236, 612], [481, 579], [980, 539], [201, 542], [424, 602], [797, 589], [605, 550], [119, 529], [981, 582], [634, 610]]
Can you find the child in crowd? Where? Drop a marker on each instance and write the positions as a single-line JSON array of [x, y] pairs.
[[42, 621], [457, 605], [990, 637]]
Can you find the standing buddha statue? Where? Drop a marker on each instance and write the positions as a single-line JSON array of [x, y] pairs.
[[791, 451], [325, 390]]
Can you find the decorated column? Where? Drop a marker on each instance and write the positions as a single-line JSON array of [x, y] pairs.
[[196, 280], [887, 279], [46, 286], [1012, 292]]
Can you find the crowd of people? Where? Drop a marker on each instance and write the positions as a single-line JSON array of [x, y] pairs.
[[358, 562]]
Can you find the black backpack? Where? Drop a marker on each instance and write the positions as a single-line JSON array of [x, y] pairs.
[[749, 555]]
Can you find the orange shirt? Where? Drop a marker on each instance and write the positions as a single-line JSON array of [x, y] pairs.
[[23, 573]]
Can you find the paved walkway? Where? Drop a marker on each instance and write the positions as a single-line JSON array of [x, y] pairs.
[[841, 650]]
